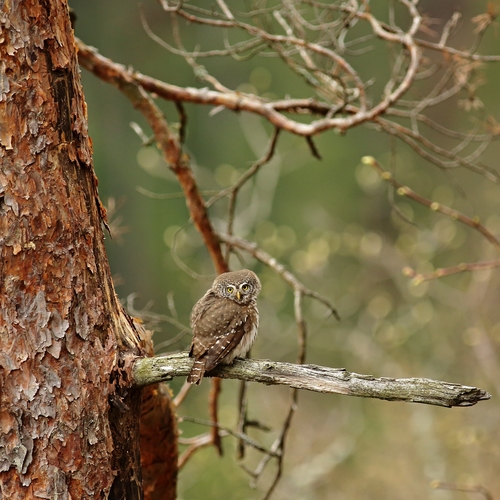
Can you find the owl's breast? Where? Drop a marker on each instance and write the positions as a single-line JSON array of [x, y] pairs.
[[251, 326]]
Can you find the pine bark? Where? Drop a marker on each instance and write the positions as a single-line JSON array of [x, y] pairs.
[[69, 421]]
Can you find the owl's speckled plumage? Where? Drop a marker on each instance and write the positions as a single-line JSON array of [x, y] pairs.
[[224, 322]]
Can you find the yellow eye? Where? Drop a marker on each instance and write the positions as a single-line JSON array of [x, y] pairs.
[[230, 289], [245, 287]]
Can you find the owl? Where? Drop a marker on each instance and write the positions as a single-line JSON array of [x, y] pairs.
[[224, 322]]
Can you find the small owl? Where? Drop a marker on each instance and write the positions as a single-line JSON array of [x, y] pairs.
[[224, 322]]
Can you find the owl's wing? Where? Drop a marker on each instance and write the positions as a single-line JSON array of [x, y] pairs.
[[227, 343], [218, 329], [201, 307]]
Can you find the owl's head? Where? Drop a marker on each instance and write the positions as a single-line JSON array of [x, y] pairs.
[[240, 286]]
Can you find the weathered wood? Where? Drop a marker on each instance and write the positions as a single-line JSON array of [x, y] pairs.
[[315, 378]]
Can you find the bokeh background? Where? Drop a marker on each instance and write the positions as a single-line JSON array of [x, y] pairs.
[[332, 222]]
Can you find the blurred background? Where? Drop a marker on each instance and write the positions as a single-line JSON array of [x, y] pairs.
[[333, 223]]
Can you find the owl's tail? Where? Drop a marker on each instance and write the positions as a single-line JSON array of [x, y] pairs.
[[197, 372]]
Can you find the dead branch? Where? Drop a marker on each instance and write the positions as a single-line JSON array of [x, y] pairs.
[[472, 222], [233, 190], [315, 378]]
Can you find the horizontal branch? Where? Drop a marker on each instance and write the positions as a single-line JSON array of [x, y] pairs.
[[315, 378]]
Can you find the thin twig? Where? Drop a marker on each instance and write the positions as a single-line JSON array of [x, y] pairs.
[[254, 250], [181, 395], [229, 431], [213, 408], [472, 488], [279, 446], [254, 168], [418, 278], [198, 442], [417, 142], [437, 207], [242, 417]]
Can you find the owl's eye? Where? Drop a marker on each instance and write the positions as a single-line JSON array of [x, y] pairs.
[[230, 289], [245, 287]]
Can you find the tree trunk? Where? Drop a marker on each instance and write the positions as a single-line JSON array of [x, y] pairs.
[[69, 424]]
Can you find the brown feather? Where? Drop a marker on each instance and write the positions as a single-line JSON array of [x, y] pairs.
[[224, 327]]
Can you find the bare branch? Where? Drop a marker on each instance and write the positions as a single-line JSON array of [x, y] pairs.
[[314, 378], [417, 142], [233, 190], [229, 431], [455, 52], [468, 488], [124, 80], [242, 417], [213, 408], [402, 190], [262, 256], [340, 116], [418, 278], [199, 442], [279, 444]]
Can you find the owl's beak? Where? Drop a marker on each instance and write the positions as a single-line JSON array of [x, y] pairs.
[[238, 294]]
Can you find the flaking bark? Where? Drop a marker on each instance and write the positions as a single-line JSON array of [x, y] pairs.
[[69, 423]]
